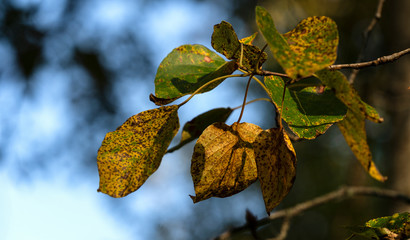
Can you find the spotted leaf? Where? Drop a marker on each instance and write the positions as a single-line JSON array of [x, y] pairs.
[[276, 165], [193, 129], [130, 154], [226, 42], [308, 111], [186, 69], [309, 47], [223, 162], [353, 126], [396, 226]]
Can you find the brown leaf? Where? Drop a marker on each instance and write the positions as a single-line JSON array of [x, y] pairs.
[[276, 165], [223, 162]]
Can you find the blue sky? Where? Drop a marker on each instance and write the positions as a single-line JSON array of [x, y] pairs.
[[59, 203]]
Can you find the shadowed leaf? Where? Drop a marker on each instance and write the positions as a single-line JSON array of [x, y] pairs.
[[353, 126], [276, 164], [193, 129], [309, 47], [226, 42], [223, 162], [307, 112], [130, 154], [187, 68], [160, 101]]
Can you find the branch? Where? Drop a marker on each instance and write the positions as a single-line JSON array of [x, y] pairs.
[[381, 60], [366, 34], [342, 194]]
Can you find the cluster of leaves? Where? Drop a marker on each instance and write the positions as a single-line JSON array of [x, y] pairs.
[[390, 227], [228, 158]]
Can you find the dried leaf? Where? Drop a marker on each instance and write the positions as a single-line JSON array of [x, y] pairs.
[[353, 126], [193, 129], [223, 162], [226, 42], [307, 112], [130, 154], [187, 68], [276, 164]]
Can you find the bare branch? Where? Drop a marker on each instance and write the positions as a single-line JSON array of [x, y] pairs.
[[341, 194], [381, 60], [366, 34]]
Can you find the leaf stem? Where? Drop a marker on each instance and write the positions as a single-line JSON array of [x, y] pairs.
[[252, 101], [209, 83], [244, 99]]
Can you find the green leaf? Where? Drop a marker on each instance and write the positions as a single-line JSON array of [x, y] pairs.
[[187, 68], [276, 165], [226, 42], [308, 112], [223, 162], [130, 154], [309, 47], [353, 126], [390, 227], [193, 129]]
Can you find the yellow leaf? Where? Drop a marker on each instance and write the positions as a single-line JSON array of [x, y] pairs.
[[354, 132], [130, 154], [223, 162], [353, 126], [276, 165]]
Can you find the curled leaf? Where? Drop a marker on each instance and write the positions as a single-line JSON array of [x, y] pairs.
[[226, 42], [130, 154], [276, 164], [223, 162]]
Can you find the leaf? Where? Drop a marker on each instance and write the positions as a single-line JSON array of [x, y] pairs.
[[309, 47], [193, 129], [390, 227], [249, 40], [130, 154], [160, 101], [276, 164], [226, 42], [353, 126], [187, 68], [223, 162], [307, 112]]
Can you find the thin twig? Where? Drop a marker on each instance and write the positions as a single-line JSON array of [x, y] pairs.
[[244, 98], [377, 16], [341, 194], [379, 61]]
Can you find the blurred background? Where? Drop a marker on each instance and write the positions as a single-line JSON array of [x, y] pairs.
[[71, 71]]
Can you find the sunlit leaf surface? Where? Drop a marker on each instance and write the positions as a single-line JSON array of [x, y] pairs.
[[193, 129], [308, 111], [353, 126], [276, 165], [309, 47], [130, 154], [223, 162], [187, 68]]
